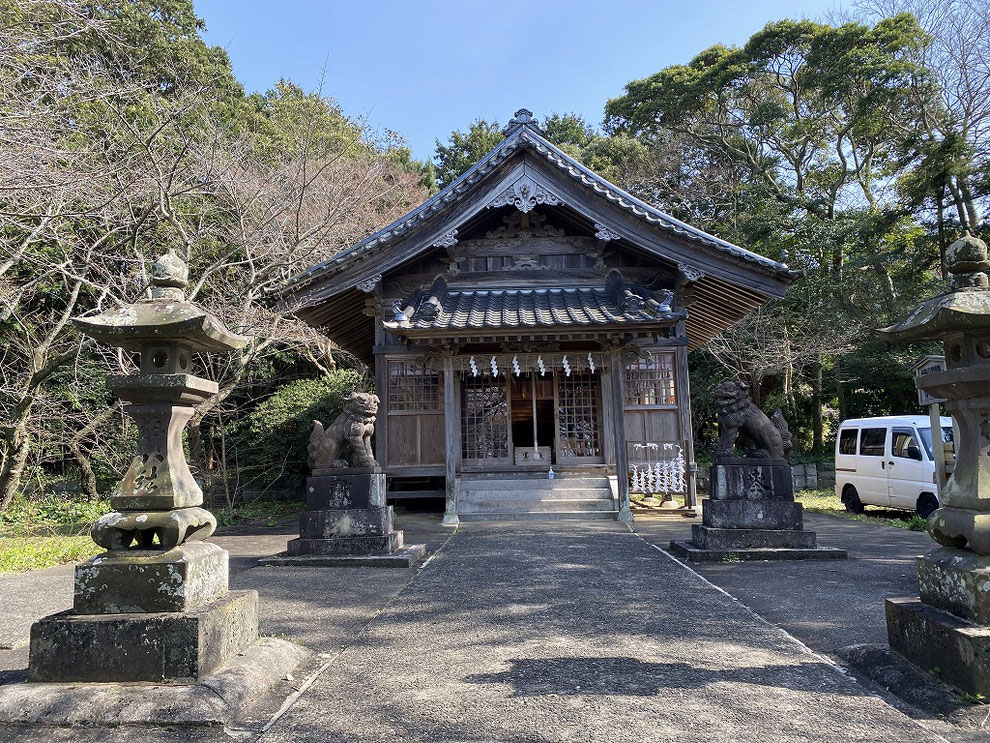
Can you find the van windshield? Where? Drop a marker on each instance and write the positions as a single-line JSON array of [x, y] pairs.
[[926, 438]]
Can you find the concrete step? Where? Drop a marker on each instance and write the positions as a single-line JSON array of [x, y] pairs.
[[541, 516], [577, 483], [544, 505], [525, 495], [540, 474]]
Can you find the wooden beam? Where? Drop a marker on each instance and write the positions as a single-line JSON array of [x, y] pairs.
[[619, 428], [452, 438], [683, 391]]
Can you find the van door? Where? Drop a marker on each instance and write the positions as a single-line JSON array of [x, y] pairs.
[[871, 466], [906, 469]]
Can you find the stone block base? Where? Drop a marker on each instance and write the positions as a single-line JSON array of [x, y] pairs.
[[693, 553], [753, 514], [215, 700], [384, 543], [956, 581], [751, 479], [952, 649], [345, 490], [345, 523], [406, 557], [182, 579], [707, 537], [167, 646]]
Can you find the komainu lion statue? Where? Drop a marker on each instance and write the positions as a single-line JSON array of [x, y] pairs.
[[767, 437], [347, 441]]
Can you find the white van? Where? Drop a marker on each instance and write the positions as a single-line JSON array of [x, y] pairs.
[[888, 462]]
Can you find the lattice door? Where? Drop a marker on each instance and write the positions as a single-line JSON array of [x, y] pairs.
[[484, 418], [579, 417]]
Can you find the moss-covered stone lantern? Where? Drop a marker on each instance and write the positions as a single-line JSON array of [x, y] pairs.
[[155, 606], [158, 502], [949, 627]]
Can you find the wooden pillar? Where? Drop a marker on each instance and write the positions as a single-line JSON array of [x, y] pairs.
[[619, 431], [452, 440], [683, 391]]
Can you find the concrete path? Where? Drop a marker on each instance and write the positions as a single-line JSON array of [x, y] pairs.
[[578, 632], [538, 632], [827, 604]]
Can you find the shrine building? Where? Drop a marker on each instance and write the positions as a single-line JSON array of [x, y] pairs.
[[532, 316]]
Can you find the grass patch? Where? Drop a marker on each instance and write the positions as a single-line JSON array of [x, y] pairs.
[[828, 503], [261, 512], [18, 554], [51, 514]]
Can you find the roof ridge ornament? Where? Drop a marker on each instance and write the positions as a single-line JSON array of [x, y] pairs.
[[522, 117]]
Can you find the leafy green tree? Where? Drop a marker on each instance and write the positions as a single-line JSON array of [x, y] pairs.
[[610, 157], [464, 149], [793, 137]]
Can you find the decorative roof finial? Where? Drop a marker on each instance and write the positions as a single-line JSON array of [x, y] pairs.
[[967, 261], [523, 117], [169, 276]]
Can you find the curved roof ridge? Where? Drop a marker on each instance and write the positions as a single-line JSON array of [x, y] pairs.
[[523, 131]]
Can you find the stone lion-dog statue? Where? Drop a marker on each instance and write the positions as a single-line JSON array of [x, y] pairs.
[[347, 441], [768, 438]]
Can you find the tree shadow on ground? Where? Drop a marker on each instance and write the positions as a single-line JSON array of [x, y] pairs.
[[627, 676]]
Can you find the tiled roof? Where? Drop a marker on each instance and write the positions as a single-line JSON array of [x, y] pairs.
[[615, 303], [522, 133]]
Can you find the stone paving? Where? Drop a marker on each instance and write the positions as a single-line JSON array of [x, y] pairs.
[[534, 632], [579, 632]]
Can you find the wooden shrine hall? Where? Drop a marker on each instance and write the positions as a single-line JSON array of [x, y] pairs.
[[533, 317]]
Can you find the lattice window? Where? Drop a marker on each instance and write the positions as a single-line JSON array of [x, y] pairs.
[[484, 418], [650, 381], [579, 411], [413, 387]]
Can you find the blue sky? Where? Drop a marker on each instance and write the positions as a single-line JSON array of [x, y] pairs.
[[425, 67]]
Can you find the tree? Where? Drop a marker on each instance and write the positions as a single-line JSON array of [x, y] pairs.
[[801, 127], [103, 171], [946, 165], [464, 149], [611, 157]]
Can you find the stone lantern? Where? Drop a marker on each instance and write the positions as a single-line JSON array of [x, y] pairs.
[[949, 627], [155, 606]]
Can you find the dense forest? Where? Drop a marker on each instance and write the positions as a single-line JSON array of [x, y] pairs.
[[855, 150]]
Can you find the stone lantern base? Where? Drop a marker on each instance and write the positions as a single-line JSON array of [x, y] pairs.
[[751, 515], [347, 522], [946, 632], [164, 619], [146, 616]]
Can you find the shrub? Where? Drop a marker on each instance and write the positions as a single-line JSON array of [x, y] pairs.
[[278, 429]]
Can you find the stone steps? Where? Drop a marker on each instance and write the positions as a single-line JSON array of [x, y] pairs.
[[543, 505], [498, 497], [547, 516]]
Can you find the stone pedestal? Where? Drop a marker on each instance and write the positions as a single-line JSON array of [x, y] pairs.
[[146, 646], [142, 615], [347, 522], [946, 632], [751, 515]]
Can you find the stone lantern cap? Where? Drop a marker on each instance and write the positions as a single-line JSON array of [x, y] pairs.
[[965, 307], [165, 317]]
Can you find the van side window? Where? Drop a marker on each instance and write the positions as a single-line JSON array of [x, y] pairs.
[[871, 442], [904, 445], [847, 440]]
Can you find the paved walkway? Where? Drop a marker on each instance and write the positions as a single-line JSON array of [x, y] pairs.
[[827, 604], [530, 633], [578, 632]]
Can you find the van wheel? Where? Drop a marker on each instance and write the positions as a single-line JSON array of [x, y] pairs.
[[851, 499], [927, 503]]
